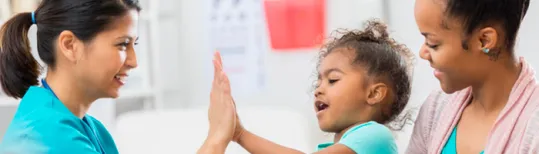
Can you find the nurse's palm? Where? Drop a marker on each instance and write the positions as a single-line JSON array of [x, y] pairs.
[[222, 111]]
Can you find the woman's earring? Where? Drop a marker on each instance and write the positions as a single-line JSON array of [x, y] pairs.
[[486, 50]]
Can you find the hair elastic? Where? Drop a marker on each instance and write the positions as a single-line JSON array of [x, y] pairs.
[[33, 17]]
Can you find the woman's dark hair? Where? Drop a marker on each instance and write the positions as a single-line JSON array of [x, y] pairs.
[[385, 60], [477, 13], [85, 18]]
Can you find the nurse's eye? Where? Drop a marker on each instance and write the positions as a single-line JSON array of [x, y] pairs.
[[123, 46]]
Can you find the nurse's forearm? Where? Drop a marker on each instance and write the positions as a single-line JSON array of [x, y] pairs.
[[256, 144], [212, 147]]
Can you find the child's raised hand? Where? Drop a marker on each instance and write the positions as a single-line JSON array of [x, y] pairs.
[[222, 111], [239, 128]]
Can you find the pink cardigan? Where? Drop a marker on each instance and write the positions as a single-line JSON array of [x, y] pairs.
[[516, 130]]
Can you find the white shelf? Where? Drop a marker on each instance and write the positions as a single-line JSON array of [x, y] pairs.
[[7, 101]]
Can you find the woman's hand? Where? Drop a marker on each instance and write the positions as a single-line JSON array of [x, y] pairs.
[[222, 111]]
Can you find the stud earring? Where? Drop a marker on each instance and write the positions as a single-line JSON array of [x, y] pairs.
[[486, 50]]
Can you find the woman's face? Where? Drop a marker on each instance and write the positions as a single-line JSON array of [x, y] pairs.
[[108, 58], [455, 67]]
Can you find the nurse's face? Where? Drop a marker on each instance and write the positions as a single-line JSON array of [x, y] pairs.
[[108, 58]]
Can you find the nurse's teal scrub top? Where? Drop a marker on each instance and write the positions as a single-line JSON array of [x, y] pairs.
[[43, 125]]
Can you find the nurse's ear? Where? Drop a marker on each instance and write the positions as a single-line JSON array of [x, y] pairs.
[[70, 46]]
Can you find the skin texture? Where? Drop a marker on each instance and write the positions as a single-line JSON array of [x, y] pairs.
[[86, 71], [456, 68]]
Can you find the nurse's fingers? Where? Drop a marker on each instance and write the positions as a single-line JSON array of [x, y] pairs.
[[215, 70], [225, 83], [219, 59]]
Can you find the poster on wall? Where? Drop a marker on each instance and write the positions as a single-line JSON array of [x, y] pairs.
[[295, 24], [238, 32]]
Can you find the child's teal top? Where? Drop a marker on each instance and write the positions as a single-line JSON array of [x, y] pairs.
[[451, 145], [367, 138], [43, 125]]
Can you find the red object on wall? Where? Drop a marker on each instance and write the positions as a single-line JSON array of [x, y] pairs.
[[295, 23]]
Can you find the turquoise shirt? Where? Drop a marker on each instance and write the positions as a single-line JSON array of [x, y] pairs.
[[450, 146], [43, 125], [367, 138]]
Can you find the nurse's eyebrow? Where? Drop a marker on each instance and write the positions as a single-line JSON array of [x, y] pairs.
[[129, 38]]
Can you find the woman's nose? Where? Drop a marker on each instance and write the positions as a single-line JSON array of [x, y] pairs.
[[131, 59], [424, 53]]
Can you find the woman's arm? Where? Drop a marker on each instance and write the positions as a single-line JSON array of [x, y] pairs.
[[425, 120], [417, 143], [212, 147]]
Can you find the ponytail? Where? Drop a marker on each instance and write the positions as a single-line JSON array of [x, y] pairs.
[[18, 68]]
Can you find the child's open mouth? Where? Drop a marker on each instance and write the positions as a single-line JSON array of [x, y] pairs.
[[320, 106]]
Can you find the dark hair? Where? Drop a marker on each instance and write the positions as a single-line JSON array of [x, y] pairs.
[[85, 18], [384, 60], [476, 13]]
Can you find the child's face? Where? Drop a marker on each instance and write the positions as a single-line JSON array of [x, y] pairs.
[[341, 92]]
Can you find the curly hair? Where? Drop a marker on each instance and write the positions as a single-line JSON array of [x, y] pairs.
[[384, 59]]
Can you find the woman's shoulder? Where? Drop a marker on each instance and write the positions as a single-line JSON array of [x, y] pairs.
[[41, 125], [430, 112], [43, 131], [436, 101], [42, 122]]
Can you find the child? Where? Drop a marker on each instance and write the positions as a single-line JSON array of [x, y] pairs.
[[363, 84]]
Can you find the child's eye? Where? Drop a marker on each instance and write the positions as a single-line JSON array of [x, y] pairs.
[[332, 81], [432, 46]]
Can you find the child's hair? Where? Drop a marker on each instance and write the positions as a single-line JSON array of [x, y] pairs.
[[384, 59]]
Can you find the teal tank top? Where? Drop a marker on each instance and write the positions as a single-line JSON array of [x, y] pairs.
[[451, 144]]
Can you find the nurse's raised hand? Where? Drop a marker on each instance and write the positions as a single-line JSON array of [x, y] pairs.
[[222, 112]]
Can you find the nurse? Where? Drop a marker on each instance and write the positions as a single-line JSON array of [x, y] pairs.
[[88, 49]]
